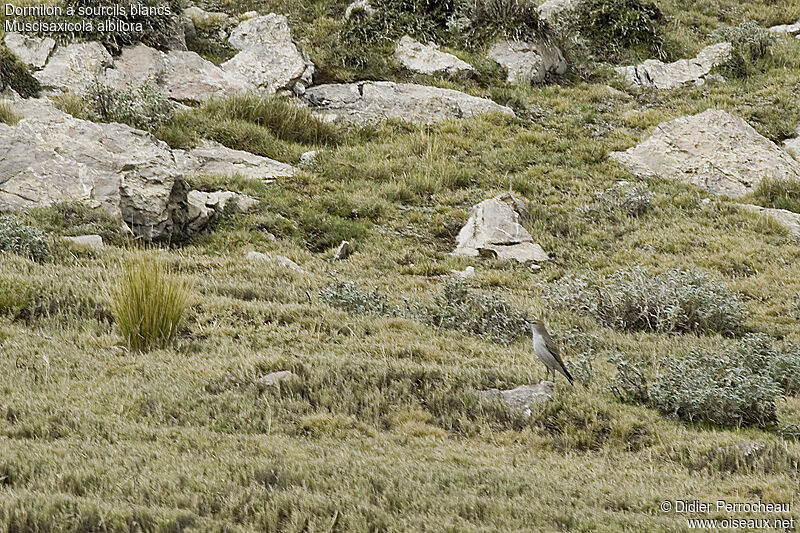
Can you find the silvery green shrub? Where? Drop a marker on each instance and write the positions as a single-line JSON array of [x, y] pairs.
[[143, 107], [23, 240], [636, 299]]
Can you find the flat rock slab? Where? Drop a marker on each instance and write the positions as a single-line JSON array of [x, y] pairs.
[[784, 218], [33, 51], [427, 58], [373, 101], [212, 158], [269, 58], [73, 68], [714, 150], [522, 399], [787, 29], [51, 157], [528, 62], [181, 76], [654, 73], [494, 230]]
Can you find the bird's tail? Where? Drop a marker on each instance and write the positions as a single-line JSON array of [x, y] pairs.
[[566, 374]]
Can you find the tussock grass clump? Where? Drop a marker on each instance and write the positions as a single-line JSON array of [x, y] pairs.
[[675, 301], [14, 74], [7, 115], [287, 120], [24, 240], [148, 303], [777, 193]]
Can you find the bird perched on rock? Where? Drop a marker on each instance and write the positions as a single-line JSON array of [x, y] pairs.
[[545, 349]]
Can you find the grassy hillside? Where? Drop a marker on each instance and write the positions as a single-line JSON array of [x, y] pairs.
[[382, 430]]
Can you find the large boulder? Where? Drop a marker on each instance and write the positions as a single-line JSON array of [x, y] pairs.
[[654, 73], [528, 62], [714, 150], [372, 101], [427, 58], [494, 230], [212, 158], [50, 157], [33, 51], [182, 76], [73, 68], [269, 58]]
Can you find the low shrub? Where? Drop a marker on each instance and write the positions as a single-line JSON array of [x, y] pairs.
[[609, 28], [14, 74], [486, 316], [750, 42], [675, 301], [633, 199], [350, 297], [479, 22], [737, 387], [148, 303], [143, 107], [22, 240]]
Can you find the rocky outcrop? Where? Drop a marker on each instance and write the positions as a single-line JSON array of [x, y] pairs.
[[212, 158], [182, 76], [73, 67], [427, 58], [654, 73], [784, 218], [50, 157], [33, 51], [372, 101], [269, 58], [528, 62], [206, 207], [714, 150], [494, 230], [522, 399]]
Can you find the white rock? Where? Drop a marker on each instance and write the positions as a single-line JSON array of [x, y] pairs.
[[654, 73], [73, 68], [427, 58], [182, 76], [528, 62], [269, 58], [280, 260], [308, 159], [467, 273], [33, 51], [793, 145], [550, 8], [205, 207], [787, 29], [50, 157], [212, 158], [274, 380], [494, 230], [359, 5], [372, 101], [522, 399], [90, 241], [784, 218], [205, 19], [714, 150]]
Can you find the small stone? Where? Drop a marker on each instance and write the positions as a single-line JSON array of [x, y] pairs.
[[343, 251], [523, 398], [274, 380], [528, 62], [427, 58], [307, 159], [467, 273], [94, 242], [280, 260]]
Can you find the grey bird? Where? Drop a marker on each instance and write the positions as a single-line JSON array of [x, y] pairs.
[[545, 349]]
